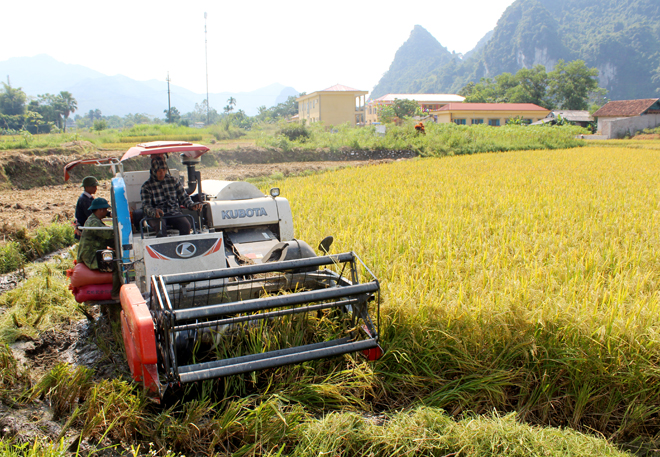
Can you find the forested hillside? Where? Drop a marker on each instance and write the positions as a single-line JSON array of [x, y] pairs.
[[621, 38]]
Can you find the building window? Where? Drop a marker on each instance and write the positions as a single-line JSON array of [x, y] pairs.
[[494, 122], [459, 121], [477, 121]]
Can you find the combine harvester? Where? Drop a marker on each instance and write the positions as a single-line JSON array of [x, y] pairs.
[[236, 295]]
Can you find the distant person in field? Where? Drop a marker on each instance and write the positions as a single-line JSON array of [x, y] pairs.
[[90, 185], [163, 195], [419, 128], [96, 240]]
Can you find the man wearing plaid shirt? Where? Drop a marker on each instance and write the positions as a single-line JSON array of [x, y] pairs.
[[163, 195]]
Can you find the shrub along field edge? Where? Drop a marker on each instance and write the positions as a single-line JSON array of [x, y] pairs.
[[22, 246], [439, 140]]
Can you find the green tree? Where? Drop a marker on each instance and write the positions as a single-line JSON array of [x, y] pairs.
[[569, 86], [199, 114], [531, 86], [12, 100], [12, 124], [281, 110], [172, 116], [572, 84], [400, 109], [35, 122], [405, 108], [387, 114], [485, 91], [49, 113], [99, 125], [231, 103], [68, 105]]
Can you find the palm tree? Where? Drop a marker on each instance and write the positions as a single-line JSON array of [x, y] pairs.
[[231, 103], [69, 105]]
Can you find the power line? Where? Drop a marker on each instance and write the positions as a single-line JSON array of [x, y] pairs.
[[206, 56], [169, 106]]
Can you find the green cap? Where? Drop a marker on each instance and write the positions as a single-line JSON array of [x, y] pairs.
[[99, 203], [90, 181]]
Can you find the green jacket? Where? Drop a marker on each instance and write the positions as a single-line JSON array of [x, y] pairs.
[[94, 240]]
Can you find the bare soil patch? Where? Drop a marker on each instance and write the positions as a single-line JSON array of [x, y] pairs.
[[74, 344], [56, 203], [647, 136]]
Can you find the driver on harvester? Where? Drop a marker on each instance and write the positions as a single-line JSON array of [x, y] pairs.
[[163, 195]]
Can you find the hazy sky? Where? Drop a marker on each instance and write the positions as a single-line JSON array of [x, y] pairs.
[[304, 44]]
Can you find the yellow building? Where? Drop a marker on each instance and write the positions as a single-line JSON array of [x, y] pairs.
[[427, 103], [333, 106], [494, 114]]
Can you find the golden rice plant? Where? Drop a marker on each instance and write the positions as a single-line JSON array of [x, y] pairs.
[[429, 432], [521, 281], [64, 387]]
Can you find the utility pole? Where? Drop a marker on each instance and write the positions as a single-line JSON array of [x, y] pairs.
[[169, 106], [206, 56]]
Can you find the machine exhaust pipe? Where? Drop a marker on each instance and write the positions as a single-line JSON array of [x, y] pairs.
[[194, 177]]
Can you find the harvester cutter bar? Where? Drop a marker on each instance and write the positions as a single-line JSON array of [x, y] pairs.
[[254, 362], [256, 304], [267, 315], [247, 270]]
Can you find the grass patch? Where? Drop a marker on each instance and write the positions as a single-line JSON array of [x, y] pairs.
[[440, 139], [22, 246], [40, 447], [43, 141], [43, 302], [143, 139]]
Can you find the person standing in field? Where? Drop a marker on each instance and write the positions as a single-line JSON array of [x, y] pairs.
[[90, 186]]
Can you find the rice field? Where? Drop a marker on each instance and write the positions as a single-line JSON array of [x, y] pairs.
[[525, 281], [520, 317]]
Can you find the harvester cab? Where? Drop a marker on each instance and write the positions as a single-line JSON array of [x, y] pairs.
[[239, 293]]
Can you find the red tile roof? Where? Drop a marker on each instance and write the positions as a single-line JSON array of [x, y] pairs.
[[423, 98], [625, 108], [492, 107], [340, 87]]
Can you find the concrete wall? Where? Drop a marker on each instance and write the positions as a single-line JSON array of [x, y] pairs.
[[337, 108], [471, 117], [309, 109], [331, 107], [618, 127]]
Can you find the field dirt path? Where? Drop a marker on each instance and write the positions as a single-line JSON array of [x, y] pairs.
[[43, 205]]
